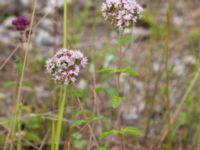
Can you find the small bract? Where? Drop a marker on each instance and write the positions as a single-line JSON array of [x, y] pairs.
[[122, 13], [66, 65]]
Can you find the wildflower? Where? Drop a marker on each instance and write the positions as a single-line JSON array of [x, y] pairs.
[[65, 65], [122, 13], [21, 23]]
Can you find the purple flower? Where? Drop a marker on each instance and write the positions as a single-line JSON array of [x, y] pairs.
[[21, 23]]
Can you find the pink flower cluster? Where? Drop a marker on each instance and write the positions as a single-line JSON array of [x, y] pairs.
[[21, 23], [122, 13], [65, 65]]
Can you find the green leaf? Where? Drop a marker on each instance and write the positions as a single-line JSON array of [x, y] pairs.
[[125, 131], [100, 89], [30, 136], [79, 93], [78, 123], [90, 120], [9, 84], [107, 70], [6, 122], [132, 131], [97, 118], [76, 136], [129, 71], [106, 134], [79, 143], [83, 112], [195, 35], [112, 92], [171, 69], [19, 69], [116, 101], [33, 123], [103, 148]]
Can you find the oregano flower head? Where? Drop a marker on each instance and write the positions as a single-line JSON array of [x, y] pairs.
[[65, 65], [122, 13], [21, 23]]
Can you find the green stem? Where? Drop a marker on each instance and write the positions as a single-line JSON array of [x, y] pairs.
[[54, 122], [60, 119], [62, 103], [65, 25], [118, 121]]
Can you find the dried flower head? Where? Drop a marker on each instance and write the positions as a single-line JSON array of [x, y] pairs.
[[65, 65], [122, 13], [21, 23]]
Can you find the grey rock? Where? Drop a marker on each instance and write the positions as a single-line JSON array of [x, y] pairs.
[[44, 38]]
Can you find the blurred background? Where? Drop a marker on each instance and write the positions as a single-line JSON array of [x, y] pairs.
[[167, 33]]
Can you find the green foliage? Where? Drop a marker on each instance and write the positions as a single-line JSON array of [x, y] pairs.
[[127, 71], [100, 89], [181, 121], [89, 120], [78, 123], [79, 143], [19, 69], [79, 93], [33, 123], [103, 148], [6, 123], [116, 101], [33, 126], [32, 136], [195, 36], [125, 131], [171, 70], [11, 84], [111, 92]]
